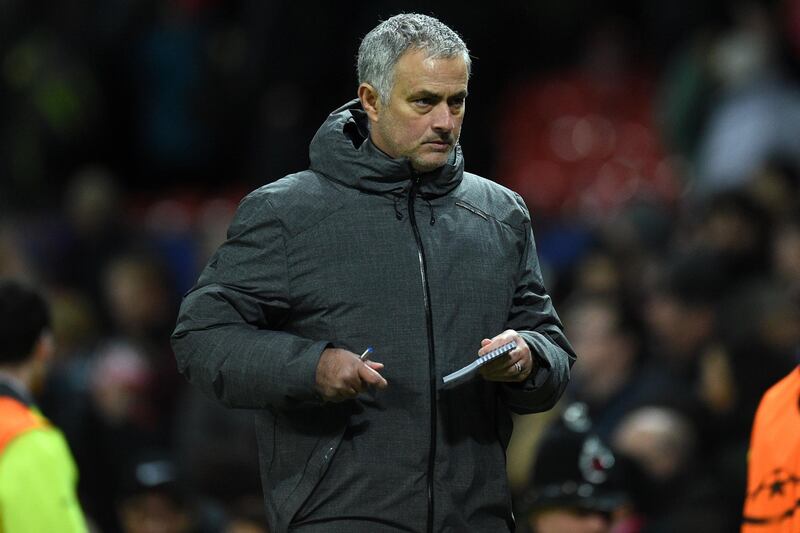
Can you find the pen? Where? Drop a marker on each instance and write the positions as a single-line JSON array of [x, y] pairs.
[[364, 356]]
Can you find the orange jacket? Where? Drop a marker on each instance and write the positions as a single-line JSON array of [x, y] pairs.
[[772, 504], [16, 418]]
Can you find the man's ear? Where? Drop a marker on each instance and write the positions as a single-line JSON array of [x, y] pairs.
[[45, 347], [370, 100]]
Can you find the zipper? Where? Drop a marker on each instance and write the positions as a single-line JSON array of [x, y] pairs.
[[431, 357]]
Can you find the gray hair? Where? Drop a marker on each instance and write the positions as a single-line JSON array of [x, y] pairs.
[[383, 46]]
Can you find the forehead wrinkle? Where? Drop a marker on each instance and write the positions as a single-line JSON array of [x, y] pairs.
[[425, 86]]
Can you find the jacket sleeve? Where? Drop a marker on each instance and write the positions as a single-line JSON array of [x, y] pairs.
[[228, 340], [532, 315]]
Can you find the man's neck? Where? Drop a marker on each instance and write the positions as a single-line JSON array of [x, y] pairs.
[[16, 377]]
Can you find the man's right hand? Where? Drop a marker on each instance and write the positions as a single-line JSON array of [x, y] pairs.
[[341, 375]]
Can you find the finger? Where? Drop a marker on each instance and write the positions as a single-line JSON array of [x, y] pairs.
[[352, 386], [352, 392], [371, 376], [511, 369], [485, 347], [374, 365], [500, 364], [505, 366], [521, 369], [342, 395], [495, 371], [516, 372], [494, 343], [519, 353]]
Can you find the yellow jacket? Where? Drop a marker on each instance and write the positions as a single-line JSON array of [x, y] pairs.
[[38, 476]]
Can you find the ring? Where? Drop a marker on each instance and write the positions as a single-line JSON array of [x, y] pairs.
[[518, 367]]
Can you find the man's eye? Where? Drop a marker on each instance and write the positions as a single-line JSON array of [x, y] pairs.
[[424, 101]]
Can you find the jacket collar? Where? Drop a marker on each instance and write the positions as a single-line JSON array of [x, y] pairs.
[[10, 387], [343, 151]]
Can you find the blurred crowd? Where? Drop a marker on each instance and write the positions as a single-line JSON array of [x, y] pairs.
[[664, 190]]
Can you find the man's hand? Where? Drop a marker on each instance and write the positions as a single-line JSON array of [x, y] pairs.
[[341, 375], [517, 365]]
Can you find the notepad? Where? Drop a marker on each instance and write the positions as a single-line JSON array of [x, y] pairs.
[[466, 373]]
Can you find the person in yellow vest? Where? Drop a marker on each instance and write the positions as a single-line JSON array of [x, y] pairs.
[[38, 476], [772, 504]]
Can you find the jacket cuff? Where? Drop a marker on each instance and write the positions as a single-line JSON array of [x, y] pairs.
[[306, 389], [544, 367], [286, 383]]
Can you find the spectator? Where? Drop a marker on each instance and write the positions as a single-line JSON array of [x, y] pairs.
[[606, 376], [756, 115], [38, 476], [675, 492], [577, 484], [247, 516], [153, 499], [681, 320]]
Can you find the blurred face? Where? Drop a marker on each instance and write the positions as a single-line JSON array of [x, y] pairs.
[[135, 296], [569, 521], [729, 231], [786, 253], [422, 119], [153, 513], [606, 354], [681, 329], [242, 526], [593, 337]]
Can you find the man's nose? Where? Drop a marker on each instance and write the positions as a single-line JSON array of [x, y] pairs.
[[443, 118]]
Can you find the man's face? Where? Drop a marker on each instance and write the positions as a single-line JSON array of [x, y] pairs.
[[422, 119]]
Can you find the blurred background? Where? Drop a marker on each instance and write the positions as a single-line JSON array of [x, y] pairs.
[[656, 143]]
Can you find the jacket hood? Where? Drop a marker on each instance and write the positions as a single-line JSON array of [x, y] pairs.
[[343, 151]]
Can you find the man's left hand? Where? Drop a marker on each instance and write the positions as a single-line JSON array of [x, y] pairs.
[[516, 366]]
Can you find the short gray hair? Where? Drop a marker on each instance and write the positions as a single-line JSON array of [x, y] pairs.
[[383, 46]]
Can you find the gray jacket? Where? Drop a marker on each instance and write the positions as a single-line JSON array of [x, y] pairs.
[[361, 251]]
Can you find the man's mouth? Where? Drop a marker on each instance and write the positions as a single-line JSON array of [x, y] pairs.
[[440, 143]]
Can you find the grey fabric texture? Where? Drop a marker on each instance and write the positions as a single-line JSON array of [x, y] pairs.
[[328, 257]]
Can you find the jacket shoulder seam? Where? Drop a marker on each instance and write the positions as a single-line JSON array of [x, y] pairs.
[[288, 234], [473, 180]]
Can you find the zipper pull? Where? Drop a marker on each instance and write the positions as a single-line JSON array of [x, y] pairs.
[[415, 182]]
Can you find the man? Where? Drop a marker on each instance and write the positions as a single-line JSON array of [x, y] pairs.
[[607, 380], [37, 473], [578, 484], [675, 489], [153, 499], [384, 242]]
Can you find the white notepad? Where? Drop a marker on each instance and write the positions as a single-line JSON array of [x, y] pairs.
[[471, 369]]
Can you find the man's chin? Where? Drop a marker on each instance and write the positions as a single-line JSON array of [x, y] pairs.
[[431, 162]]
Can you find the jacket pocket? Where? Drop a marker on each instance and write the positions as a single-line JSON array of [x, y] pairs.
[[472, 209], [315, 467]]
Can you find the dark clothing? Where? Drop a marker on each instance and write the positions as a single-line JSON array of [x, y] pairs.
[[360, 251]]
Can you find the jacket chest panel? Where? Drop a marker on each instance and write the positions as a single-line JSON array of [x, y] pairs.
[[473, 265], [358, 275]]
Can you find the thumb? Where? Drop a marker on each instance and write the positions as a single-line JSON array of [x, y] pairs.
[[371, 376]]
